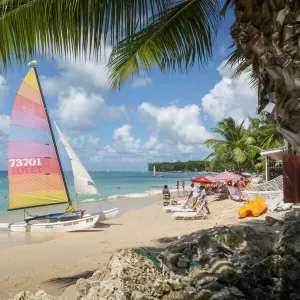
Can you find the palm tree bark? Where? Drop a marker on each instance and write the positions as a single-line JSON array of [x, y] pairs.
[[268, 31]]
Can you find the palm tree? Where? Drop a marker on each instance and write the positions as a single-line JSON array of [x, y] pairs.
[[265, 132], [172, 35], [233, 145]]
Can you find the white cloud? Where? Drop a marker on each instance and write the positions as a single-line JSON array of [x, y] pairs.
[[123, 141], [230, 97], [173, 132], [90, 75], [79, 110], [185, 148], [4, 124], [141, 82], [181, 125]]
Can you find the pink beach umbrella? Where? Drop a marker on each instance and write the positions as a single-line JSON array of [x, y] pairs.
[[228, 176]]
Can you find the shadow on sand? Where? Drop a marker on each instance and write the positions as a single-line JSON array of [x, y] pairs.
[[64, 282]]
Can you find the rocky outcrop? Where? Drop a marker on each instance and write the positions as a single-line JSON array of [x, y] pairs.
[[39, 295], [221, 263]]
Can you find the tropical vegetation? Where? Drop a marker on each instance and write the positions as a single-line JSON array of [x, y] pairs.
[[171, 35], [178, 166], [237, 147], [240, 145]]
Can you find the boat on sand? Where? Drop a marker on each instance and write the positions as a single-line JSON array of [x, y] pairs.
[[35, 174], [83, 182]]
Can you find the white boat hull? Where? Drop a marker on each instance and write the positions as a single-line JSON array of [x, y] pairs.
[[107, 214], [60, 226]]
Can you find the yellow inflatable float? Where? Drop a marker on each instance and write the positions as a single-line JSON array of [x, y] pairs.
[[253, 208]]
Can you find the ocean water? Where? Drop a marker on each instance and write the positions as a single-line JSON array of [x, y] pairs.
[[131, 185]]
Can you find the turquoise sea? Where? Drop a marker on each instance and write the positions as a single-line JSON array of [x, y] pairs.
[[131, 185]]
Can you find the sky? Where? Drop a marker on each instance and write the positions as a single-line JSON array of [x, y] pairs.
[[153, 117]]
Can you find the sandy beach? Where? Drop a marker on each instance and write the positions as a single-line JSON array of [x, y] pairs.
[[54, 263]]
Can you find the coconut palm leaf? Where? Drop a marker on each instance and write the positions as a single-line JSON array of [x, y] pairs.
[[236, 61], [62, 27], [177, 39]]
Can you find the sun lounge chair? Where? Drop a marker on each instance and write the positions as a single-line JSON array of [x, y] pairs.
[[184, 205], [197, 214]]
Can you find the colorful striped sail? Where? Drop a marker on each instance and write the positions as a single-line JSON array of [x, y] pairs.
[[34, 173]]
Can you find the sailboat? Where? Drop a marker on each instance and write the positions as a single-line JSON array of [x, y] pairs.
[[154, 173], [35, 174], [84, 184]]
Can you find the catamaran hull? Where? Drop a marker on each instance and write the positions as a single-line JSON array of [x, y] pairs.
[[107, 214], [64, 226]]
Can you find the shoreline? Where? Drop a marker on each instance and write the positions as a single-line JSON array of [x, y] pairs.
[[55, 265]]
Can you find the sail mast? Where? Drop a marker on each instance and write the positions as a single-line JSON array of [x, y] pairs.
[[33, 65]]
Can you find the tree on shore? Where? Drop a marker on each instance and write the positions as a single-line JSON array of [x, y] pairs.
[[172, 35], [233, 145], [242, 146]]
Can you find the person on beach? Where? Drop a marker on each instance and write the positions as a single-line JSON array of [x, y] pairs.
[[183, 185], [194, 195], [203, 198], [166, 193], [177, 186], [240, 185]]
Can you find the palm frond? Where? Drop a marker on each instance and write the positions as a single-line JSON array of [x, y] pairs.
[[236, 57], [239, 155], [236, 61], [62, 27], [212, 142], [177, 39]]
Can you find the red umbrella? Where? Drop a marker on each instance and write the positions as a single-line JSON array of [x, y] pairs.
[[201, 179]]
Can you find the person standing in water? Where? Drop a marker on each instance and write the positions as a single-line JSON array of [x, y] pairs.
[[183, 185], [177, 186]]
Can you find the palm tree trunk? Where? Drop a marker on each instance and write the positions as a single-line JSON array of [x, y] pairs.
[[269, 32]]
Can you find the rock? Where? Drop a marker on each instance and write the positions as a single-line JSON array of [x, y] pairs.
[[224, 294], [214, 286], [204, 294], [175, 295], [190, 290], [184, 259], [136, 295], [160, 288], [206, 279], [39, 295], [294, 296], [236, 292], [175, 285], [126, 271], [182, 265]]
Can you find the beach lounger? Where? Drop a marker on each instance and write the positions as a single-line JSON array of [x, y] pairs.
[[183, 215], [184, 204]]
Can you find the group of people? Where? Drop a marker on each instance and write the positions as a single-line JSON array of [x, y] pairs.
[[197, 195], [183, 186]]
